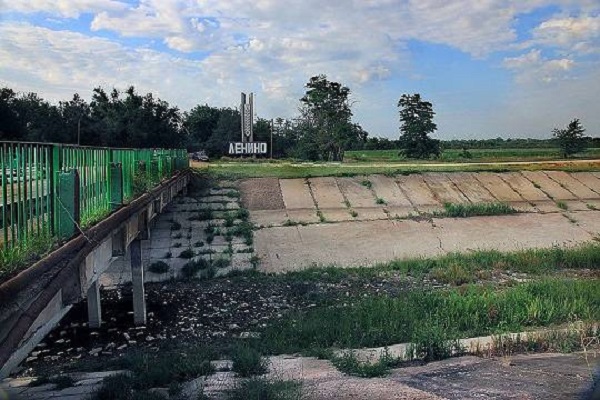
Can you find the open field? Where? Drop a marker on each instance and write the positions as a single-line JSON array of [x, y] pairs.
[[288, 169], [474, 155]]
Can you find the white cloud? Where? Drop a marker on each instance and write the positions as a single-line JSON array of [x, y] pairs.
[[272, 47], [64, 8], [532, 66], [567, 32]]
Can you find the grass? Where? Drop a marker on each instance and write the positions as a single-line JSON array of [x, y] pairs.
[[464, 312], [159, 267], [94, 216], [259, 388], [23, 254], [349, 364], [149, 370], [247, 361], [366, 183], [464, 210], [244, 229], [562, 205], [472, 155], [321, 216], [287, 169]]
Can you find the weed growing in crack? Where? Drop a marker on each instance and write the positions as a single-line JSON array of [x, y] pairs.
[[321, 216], [463, 210], [266, 389], [366, 183]]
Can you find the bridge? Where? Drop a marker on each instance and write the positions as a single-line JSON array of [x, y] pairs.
[[92, 206]]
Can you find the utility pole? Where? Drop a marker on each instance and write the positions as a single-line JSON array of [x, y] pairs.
[[272, 138]]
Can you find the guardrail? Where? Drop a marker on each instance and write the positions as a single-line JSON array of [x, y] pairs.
[[54, 189]]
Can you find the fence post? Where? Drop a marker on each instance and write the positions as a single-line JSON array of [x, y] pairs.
[[67, 197], [116, 185]]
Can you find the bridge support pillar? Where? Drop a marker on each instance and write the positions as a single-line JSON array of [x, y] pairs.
[[93, 306], [137, 279]]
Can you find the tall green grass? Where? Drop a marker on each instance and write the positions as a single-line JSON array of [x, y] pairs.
[[475, 155], [463, 210], [240, 170], [465, 312]]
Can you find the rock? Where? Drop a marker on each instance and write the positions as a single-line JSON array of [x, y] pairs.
[[121, 347], [95, 351], [249, 335], [126, 336], [29, 359]]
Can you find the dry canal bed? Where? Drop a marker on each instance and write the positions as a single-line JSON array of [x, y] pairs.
[[364, 220]]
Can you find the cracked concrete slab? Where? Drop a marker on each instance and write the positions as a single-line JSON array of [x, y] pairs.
[[358, 195], [572, 184], [326, 193], [387, 189], [417, 190], [589, 180], [364, 243], [471, 188], [296, 194], [359, 243], [443, 188], [524, 187], [549, 186], [498, 187]]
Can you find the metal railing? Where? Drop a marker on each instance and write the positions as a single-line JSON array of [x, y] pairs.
[[42, 184]]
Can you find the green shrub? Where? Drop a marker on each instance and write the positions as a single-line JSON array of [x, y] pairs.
[[159, 267], [259, 388], [349, 364], [187, 253], [248, 361], [221, 262]]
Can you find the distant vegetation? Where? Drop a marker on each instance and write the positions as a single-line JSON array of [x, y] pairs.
[[324, 130]]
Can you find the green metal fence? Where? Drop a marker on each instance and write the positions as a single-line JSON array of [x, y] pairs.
[[48, 188]]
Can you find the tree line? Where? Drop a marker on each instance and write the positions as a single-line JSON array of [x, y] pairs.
[[323, 130]]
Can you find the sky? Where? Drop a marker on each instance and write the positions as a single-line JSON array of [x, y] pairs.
[[491, 68]]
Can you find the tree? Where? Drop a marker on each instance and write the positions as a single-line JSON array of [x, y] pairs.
[[327, 129], [571, 139], [416, 117], [227, 130], [199, 123]]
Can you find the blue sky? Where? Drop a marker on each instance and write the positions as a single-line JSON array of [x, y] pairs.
[[508, 68]]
